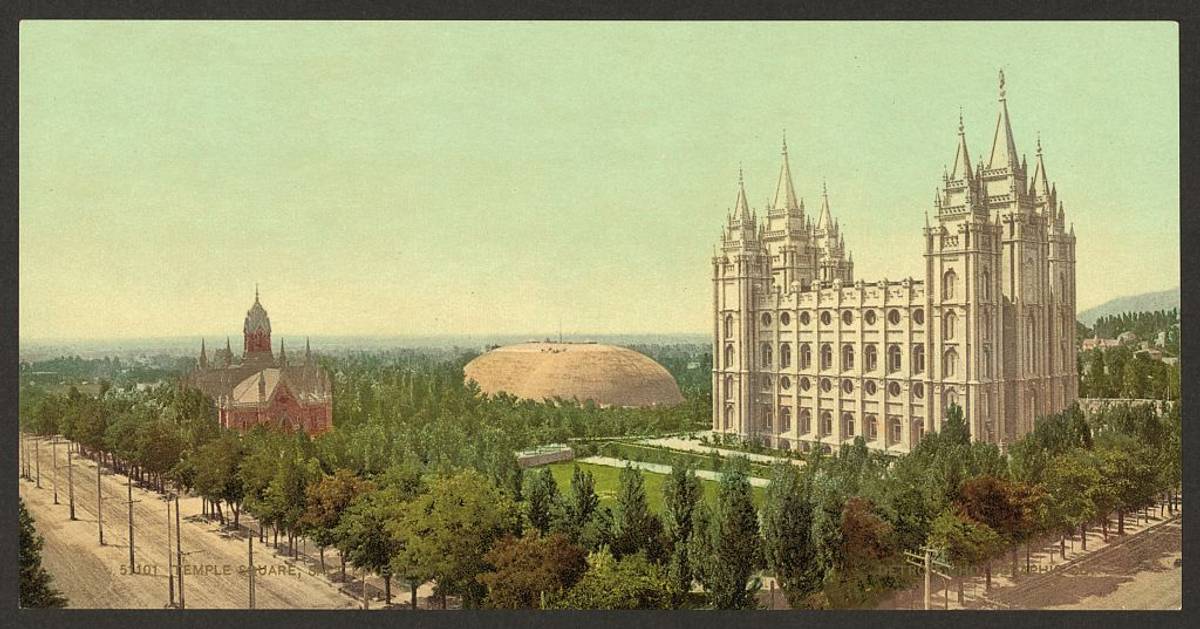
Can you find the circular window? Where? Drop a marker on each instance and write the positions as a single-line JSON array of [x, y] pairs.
[[919, 316], [847, 317], [847, 386], [894, 389], [785, 382], [826, 318], [870, 317], [894, 316], [870, 387], [918, 390], [804, 384], [804, 318], [785, 318], [766, 319], [826, 385]]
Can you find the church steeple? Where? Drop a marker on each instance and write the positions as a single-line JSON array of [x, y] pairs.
[[741, 209], [824, 220], [203, 356], [282, 354], [785, 193], [1004, 149], [1041, 183], [962, 160]]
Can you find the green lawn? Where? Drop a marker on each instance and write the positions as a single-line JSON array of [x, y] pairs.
[[607, 483]]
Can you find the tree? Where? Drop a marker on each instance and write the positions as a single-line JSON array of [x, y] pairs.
[[287, 494], [636, 528], [325, 500], [542, 499], [527, 569], [217, 477], [364, 537], [443, 534], [632, 582], [990, 500], [681, 494], [965, 541], [1071, 482], [725, 548], [36, 586], [788, 546]]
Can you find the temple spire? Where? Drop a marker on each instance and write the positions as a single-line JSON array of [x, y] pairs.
[[1004, 149], [203, 355], [785, 193], [824, 220], [741, 210], [1041, 183], [282, 354], [962, 160]]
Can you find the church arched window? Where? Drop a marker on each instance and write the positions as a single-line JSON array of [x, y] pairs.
[[805, 421], [766, 354], [728, 326], [826, 356], [785, 355], [872, 427], [987, 362], [985, 285], [870, 358], [1030, 358], [847, 357], [893, 358], [785, 419], [728, 417], [728, 387], [805, 356], [918, 358], [950, 364], [847, 425], [826, 423], [728, 355], [949, 280], [948, 326]]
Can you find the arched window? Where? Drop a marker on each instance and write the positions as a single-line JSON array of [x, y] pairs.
[[948, 326], [766, 354], [895, 429], [826, 423], [987, 362], [949, 281], [768, 420], [847, 425], [870, 358], [728, 387], [728, 417], [847, 357], [950, 364], [826, 356], [728, 326], [893, 358], [785, 355], [1030, 356], [805, 356], [985, 325], [729, 355], [950, 398], [805, 421], [985, 285], [785, 419], [872, 427], [918, 358]]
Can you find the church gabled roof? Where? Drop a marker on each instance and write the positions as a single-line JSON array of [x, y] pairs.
[[1004, 149], [785, 193]]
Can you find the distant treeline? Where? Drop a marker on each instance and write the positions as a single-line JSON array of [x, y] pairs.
[[112, 370], [1146, 325]]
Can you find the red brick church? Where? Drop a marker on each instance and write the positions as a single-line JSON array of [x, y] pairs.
[[260, 388]]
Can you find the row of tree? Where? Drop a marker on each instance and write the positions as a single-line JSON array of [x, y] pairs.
[[1119, 372]]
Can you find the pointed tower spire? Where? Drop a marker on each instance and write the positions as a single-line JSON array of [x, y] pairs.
[[228, 351], [1004, 149], [741, 210], [203, 355], [307, 351], [962, 160], [1041, 184], [824, 220], [282, 354], [785, 193], [256, 292]]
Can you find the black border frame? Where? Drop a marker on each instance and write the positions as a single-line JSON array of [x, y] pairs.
[[1186, 15]]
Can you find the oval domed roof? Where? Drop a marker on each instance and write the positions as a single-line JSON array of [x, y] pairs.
[[605, 374]]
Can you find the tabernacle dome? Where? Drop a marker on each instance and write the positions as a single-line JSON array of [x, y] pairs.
[[605, 374]]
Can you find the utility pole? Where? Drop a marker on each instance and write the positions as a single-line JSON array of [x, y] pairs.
[[129, 485], [926, 561], [366, 603], [170, 562], [178, 553], [71, 480], [250, 550], [99, 512], [37, 460], [54, 459]]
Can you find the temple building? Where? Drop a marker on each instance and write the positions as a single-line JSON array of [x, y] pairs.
[[261, 388], [806, 355]]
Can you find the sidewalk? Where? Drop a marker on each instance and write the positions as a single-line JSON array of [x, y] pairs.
[[659, 468]]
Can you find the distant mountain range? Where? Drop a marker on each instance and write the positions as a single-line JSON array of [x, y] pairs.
[[1145, 302]]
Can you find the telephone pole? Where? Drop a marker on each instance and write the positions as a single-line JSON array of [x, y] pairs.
[[37, 460], [178, 553], [54, 459], [170, 562], [926, 560], [129, 485], [99, 511], [250, 550], [71, 481]]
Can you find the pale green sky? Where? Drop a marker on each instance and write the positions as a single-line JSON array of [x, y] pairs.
[[401, 178]]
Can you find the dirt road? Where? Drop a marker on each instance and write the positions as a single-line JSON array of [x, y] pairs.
[[215, 574]]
